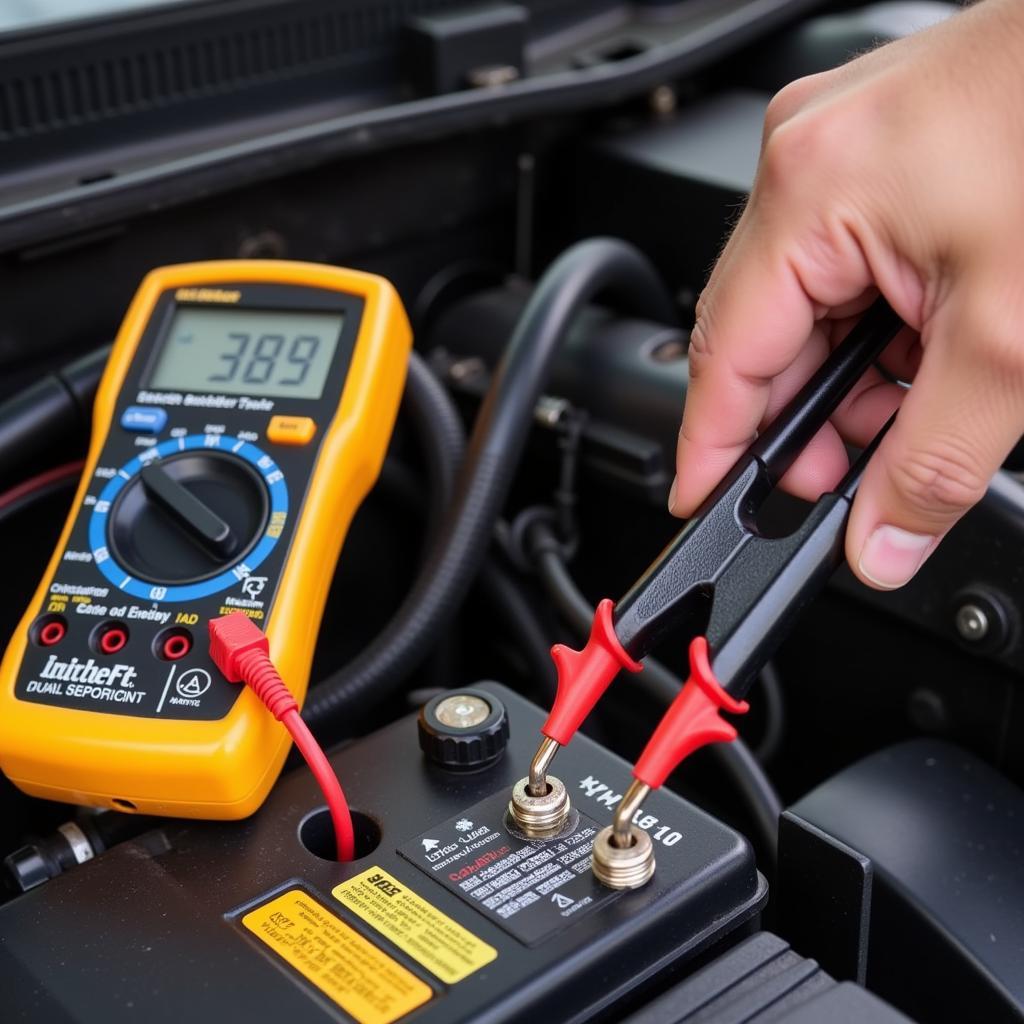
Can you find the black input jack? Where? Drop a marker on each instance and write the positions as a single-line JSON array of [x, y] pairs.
[[109, 637], [316, 833]]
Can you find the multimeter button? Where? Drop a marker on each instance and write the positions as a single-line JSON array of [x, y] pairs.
[[144, 419], [291, 430]]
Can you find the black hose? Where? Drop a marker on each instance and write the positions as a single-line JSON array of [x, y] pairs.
[[774, 714], [441, 438], [43, 493], [53, 413], [580, 274], [500, 589], [735, 759]]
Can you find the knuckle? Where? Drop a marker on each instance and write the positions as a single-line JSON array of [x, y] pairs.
[[939, 482], [791, 149], [699, 351], [817, 142], [790, 100], [998, 341]]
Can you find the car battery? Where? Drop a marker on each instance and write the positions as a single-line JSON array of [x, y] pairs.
[[447, 915]]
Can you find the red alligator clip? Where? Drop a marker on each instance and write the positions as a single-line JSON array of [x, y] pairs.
[[692, 721], [583, 676]]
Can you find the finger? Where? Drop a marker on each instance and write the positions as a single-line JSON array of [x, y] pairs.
[[902, 356], [730, 382], [874, 398], [955, 428], [782, 270]]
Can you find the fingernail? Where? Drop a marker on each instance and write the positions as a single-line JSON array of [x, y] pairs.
[[891, 556], [672, 494]]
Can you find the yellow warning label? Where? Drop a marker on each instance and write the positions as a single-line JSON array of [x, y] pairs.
[[365, 982], [415, 926]]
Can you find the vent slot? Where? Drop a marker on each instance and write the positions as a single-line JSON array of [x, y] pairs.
[[56, 91]]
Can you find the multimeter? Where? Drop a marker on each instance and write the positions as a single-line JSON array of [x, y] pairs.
[[243, 415]]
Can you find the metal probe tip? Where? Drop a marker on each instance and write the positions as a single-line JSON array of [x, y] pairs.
[[537, 784], [540, 803], [623, 855]]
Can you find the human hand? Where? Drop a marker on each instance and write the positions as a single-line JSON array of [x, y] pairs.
[[899, 173]]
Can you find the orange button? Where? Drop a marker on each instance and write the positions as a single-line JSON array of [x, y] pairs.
[[290, 430]]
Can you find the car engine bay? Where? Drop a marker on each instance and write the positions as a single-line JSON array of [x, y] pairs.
[[518, 205]]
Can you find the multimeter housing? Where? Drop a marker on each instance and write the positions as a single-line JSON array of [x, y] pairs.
[[136, 724]]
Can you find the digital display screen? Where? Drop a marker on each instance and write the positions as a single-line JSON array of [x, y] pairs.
[[248, 352]]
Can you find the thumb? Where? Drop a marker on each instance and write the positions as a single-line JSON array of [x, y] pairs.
[[955, 427]]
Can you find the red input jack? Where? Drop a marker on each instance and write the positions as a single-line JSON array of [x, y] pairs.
[[241, 651], [110, 637], [172, 644], [50, 631]]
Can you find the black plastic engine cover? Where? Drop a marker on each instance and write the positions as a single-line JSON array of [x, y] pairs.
[[156, 929]]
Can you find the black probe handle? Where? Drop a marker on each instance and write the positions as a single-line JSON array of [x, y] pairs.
[[669, 593], [764, 589], [792, 430]]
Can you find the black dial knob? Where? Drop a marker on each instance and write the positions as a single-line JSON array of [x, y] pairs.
[[184, 518], [463, 731]]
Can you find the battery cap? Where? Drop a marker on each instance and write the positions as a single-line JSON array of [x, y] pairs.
[[463, 730]]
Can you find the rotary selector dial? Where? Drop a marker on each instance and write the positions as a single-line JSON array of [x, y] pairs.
[[188, 518], [184, 518]]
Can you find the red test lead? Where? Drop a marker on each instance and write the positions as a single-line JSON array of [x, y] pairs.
[[240, 650], [540, 804]]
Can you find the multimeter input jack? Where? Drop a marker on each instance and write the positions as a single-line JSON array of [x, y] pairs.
[[172, 644], [109, 637], [49, 630]]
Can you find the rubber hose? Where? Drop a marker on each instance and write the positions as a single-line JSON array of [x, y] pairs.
[[441, 438], [581, 273], [774, 714], [501, 590], [735, 759], [52, 414]]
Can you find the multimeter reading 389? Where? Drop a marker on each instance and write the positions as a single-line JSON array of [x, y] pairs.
[[243, 415]]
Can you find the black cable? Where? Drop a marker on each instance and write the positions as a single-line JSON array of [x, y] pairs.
[[774, 714], [48, 414], [439, 434], [517, 616], [735, 758], [565, 492], [584, 271], [48, 490]]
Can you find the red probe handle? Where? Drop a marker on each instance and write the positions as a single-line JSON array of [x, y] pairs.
[[691, 722], [583, 676]]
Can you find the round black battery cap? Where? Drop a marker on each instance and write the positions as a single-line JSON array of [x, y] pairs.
[[463, 730]]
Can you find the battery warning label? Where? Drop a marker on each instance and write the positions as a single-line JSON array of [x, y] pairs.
[[415, 926], [363, 980], [531, 889]]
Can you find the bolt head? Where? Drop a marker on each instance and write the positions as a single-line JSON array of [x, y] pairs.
[[462, 711], [972, 623]]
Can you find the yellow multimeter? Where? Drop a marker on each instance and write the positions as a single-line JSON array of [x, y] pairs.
[[242, 417]]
